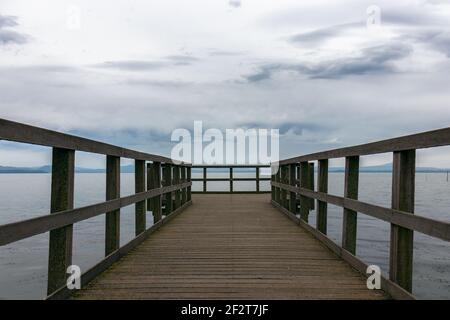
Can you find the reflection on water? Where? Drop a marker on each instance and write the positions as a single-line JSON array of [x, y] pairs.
[[23, 265]]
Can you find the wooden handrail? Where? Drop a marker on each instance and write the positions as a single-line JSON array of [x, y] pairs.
[[429, 139], [231, 178], [401, 215], [60, 222]]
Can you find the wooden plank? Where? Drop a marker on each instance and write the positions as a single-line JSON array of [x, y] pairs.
[[16, 231], [349, 223], [230, 247], [322, 186], [431, 227], [139, 186], [395, 291], [64, 293], [403, 189], [112, 228], [18, 132], [62, 192], [429, 139]]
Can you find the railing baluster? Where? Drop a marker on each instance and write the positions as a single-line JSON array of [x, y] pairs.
[[278, 190], [284, 179], [112, 230], [154, 182], [231, 179], [62, 190], [272, 187], [292, 195], [322, 186], [139, 186], [189, 189], [312, 205], [184, 190], [167, 172], [176, 180], [204, 179], [304, 201], [349, 224], [401, 250], [257, 179]]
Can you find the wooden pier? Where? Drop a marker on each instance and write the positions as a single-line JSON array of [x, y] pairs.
[[227, 245]]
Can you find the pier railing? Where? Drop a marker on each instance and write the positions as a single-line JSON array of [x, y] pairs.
[[293, 191], [231, 177], [168, 192]]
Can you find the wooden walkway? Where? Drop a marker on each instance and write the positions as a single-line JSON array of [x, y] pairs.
[[230, 247]]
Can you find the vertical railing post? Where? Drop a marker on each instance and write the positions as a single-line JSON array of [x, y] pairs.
[[304, 183], [231, 179], [322, 186], [349, 224], [112, 230], [292, 195], [189, 189], [284, 178], [272, 187], [176, 180], [167, 181], [204, 179], [139, 186], [154, 182], [257, 179], [401, 250], [277, 189], [311, 185], [184, 190], [62, 190]]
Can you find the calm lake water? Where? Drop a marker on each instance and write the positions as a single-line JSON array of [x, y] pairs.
[[23, 265]]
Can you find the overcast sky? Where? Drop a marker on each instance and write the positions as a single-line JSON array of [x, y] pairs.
[[132, 71]]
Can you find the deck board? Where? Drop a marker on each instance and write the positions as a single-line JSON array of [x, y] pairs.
[[230, 247]]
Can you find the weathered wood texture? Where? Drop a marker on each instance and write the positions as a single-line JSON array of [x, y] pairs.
[[230, 247], [62, 194]]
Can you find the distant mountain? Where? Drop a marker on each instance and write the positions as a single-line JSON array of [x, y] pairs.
[[48, 169], [130, 169], [388, 168]]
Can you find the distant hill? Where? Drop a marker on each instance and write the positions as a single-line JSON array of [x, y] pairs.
[[130, 169], [48, 169], [388, 168]]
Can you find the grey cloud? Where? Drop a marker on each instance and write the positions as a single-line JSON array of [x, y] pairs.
[[224, 53], [182, 59], [297, 128], [9, 36], [321, 35], [373, 60], [437, 39], [132, 65], [234, 3], [147, 65]]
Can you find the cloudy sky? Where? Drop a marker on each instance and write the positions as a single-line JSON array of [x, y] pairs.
[[129, 72]]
